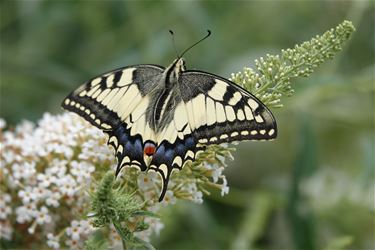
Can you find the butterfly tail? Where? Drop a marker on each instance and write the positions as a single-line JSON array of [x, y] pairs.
[[163, 191], [165, 179]]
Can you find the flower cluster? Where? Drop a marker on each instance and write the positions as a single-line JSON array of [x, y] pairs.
[[49, 168], [274, 73]]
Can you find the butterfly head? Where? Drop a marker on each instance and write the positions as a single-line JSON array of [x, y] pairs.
[[175, 69], [179, 65]]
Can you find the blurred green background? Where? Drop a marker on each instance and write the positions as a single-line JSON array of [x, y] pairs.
[[312, 188]]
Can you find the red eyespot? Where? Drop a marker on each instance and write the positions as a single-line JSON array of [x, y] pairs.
[[149, 149]]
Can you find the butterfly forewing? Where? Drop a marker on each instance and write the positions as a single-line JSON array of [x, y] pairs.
[[220, 111], [116, 103]]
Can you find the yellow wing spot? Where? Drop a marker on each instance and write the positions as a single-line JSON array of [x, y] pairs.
[[120, 149], [218, 91], [126, 77], [93, 90], [234, 134], [109, 81], [204, 140], [213, 139], [96, 81], [254, 132], [97, 93], [83, 93], [223, 136], [240, 115], [189, 153], [249, 114], [262, 131], [67, 101], [114, 140], [106, 126], [253, 104], [259, 119], [220, 113], [177, 160], [231, 116], [245, 132], [235, 99], [125, 160]]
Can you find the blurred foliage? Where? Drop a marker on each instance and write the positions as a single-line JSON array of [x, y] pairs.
[[312, 188]]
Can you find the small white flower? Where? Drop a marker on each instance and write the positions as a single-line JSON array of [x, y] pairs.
[[53, 198], [224, 186], [43, 216], [74, 230], [57, 167], [169, 198], [67, 185], [26, 213], [27, 195], [45, 180], [73, 244], [82, 171], [5, 210], [8, 156], [17, 171], [39, 193], [146, 180], [53, 241], [24, 171], [215, 171], [198, 197]]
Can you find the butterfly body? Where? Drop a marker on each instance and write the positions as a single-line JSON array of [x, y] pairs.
[[158, 118]]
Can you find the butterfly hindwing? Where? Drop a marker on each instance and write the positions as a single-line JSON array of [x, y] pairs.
[[169, 156], [220, 111]]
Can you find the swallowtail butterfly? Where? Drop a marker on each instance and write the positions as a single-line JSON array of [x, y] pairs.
[[158, 118]]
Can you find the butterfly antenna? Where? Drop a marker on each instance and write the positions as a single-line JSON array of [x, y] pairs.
[[174, 43], [186, 50]]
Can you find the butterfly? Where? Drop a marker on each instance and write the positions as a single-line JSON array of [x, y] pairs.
[[159, 118]]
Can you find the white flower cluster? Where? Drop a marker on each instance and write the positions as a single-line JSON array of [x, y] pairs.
[[46, 178], [47, 170]]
